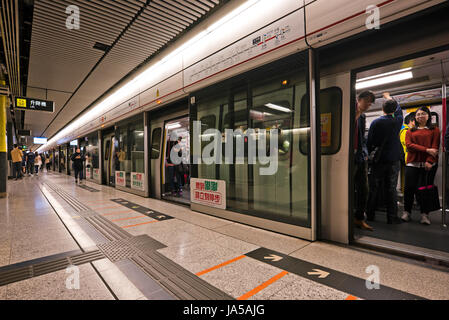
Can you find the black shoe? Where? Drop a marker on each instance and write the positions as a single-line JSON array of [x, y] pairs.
[[394, 220]]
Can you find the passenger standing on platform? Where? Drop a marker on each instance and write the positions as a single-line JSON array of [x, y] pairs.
[[423, 143], [16, 155], [360, 173], [24, 163], [37, 162], [30, 163], [78, 160], [47, 163], [384, 136]]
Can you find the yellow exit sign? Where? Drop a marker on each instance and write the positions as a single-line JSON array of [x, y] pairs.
[[21, 103]]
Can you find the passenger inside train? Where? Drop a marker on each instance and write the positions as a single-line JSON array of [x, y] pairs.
[[405, 205]]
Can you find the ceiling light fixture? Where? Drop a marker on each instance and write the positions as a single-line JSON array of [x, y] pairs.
[[384, 78], [173, 126], [279, 108]]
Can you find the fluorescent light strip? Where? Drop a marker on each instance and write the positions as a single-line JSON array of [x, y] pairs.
[[173, 126], [279, 108], [144, 79], [384, 74], [384, 80]]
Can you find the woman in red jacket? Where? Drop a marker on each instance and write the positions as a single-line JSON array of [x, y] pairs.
[[423, 143]]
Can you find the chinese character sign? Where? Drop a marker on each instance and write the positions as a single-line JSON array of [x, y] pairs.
[[88, 173], [120, 178], [208, 192], [96, 174], [137, 181]]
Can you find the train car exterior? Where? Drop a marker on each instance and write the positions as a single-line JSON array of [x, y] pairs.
[[262, 66]]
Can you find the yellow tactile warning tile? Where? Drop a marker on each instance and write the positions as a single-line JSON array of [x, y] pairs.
[[220, 265], [252, 292]]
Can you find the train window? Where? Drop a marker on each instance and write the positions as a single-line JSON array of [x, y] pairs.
[[107, 150], [331, 103], [435, 118], [156, 143], [208, 122]]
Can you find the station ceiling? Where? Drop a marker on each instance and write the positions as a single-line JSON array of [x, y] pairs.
[[65, 67]]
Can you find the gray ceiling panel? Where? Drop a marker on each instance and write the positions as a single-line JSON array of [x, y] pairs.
[[63, 59]]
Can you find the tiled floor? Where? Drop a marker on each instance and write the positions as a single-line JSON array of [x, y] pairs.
[[33, 225]]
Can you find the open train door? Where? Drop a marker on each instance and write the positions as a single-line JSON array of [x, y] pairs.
[[335, 111]]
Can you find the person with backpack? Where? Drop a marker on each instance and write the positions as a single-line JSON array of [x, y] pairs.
[[47, 163], [385, 153], [423, 143], [37, 162]]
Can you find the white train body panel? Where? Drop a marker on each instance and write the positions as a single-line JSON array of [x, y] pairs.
[[173, 74]]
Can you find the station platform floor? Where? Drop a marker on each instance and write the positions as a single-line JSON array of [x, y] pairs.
[[59, 240]]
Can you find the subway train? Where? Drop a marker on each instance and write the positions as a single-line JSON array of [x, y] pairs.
[[295, 67]]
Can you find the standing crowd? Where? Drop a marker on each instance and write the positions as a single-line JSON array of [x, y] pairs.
[[30, 163], [27, 163], [378, 161]]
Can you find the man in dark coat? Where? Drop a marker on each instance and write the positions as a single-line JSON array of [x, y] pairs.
[[78, 160], [360, 173]]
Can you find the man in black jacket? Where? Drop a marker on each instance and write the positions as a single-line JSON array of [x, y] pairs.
[[384, 135], [360, 173], [78, 160]]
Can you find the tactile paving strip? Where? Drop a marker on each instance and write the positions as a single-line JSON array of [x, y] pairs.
[[126, 248], [11, 274], [87, 188], [179, 281], [142, 251], [74, 203]]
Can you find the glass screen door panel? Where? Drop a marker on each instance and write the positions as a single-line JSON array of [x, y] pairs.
[[274, 188]]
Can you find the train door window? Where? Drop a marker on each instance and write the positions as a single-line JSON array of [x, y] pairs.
[[273, 109], [156, 143], [435, 118], [208, 122], [331, 104], [107, 150], [234, 115]]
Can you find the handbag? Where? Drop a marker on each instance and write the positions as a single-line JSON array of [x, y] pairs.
[[428, 197]]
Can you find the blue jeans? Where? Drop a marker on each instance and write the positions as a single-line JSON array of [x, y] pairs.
[[78, 172], [388, 174], [17, 170]]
